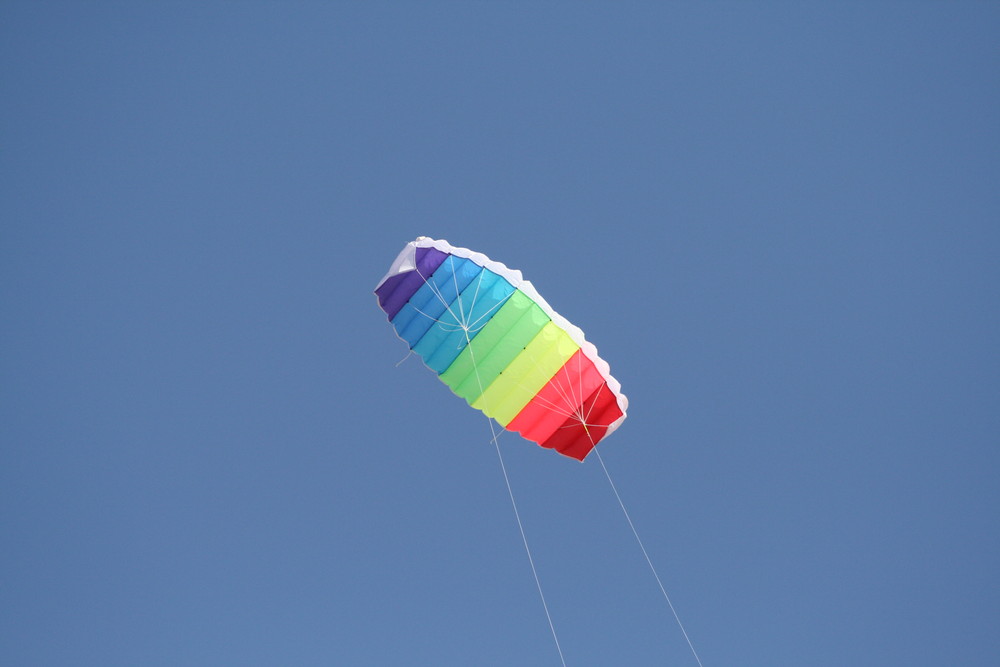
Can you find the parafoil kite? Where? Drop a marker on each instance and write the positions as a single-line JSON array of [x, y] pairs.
[[496, 343]]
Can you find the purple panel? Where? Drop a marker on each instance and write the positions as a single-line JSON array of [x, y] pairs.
[[397, 290]]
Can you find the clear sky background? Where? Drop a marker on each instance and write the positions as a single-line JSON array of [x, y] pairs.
[[779, 223]]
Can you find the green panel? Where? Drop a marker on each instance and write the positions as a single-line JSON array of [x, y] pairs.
[[504, 337], [527, 374]]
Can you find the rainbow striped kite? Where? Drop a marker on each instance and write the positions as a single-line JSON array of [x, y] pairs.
[[496, 343]]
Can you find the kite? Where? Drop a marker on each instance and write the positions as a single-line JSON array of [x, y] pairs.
[[497, 343]]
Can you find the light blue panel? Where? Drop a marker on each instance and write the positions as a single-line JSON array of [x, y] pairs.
[[476, 305], [430, 303]]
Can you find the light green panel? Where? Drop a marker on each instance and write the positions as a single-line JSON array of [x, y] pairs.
[[503, 338], [527, 374]]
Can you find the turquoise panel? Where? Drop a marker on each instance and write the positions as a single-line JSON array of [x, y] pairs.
[[431, 302], [468, 314]]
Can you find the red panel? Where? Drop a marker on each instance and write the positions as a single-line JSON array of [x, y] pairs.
[[575, 438], [560, 399]]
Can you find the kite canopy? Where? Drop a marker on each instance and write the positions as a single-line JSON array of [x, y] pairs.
[[496, 343]]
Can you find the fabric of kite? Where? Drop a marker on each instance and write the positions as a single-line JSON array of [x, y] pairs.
[[496, 343]]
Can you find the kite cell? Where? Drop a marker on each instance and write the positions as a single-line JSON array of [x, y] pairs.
[[496, 343]]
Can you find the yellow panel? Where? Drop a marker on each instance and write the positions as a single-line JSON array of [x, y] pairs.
[[527, 374]]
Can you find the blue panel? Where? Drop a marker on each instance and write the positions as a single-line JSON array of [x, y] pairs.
[[430, 303], [476, 305], [425, 299]]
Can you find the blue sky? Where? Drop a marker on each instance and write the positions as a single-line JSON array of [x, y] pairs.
[[779, 223]]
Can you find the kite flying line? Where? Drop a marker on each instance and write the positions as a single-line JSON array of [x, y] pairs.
[[465, 326], [648, 559]]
